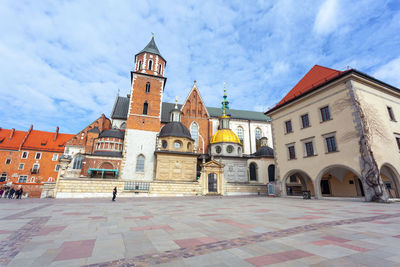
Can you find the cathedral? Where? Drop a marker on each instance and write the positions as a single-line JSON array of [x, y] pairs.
[[153, 148]]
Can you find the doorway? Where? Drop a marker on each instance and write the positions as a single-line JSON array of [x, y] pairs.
[[212, 183], [325, 188]]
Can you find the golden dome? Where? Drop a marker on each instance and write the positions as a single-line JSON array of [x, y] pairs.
[[224, 136]]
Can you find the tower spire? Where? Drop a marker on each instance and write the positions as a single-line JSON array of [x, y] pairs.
[[225, 102]]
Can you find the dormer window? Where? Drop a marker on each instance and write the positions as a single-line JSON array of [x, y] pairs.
[[147, 90], [150, 64]]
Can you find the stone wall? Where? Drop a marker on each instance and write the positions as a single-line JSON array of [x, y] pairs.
[[176, 167], [82, 188], [245, 189]]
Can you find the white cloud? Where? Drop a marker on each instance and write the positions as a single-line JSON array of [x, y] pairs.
[[327, 19], [63, 62], [390, 72]]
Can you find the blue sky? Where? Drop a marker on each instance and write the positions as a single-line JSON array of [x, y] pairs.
[[62, 62]]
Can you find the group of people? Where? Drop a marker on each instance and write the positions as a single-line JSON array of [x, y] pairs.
[[11, 192]]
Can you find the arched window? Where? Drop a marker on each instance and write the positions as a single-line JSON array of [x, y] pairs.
[[77, 162], [123, 126], [145, 108], [271, 173], [159, 69], [147, 87], [258, 137], [150, 64], [194, 132], [140, 65], [253, 172], [239, 132], [140, 163]]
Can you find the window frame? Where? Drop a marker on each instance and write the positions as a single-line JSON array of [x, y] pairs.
[[140, 168], [329, 136], [239, 132], [147, 88], [36, 155], [57, 167], [25, 177], [397, 137], [8, 161], [145, 108], [323, 114], [23, 166], [150, 64], [289, 152], [288, 123], [22, 154], [391, 113], [302, 121], [56, 157]]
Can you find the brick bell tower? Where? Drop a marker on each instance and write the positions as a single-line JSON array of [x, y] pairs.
[[144, 115]]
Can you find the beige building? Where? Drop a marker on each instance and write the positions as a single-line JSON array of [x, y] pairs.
[[336, 134]]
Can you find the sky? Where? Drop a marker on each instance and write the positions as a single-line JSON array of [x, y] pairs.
[[62, 63]]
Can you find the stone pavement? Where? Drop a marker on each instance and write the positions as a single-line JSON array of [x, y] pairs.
[[198, 231]]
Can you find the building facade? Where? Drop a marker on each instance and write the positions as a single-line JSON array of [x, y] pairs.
[[336, 134]]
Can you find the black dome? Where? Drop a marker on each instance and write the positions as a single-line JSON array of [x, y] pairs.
[[176, 129], [114, 133], [264, 151]]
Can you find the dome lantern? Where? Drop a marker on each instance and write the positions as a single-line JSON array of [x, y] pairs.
[[175, 113]]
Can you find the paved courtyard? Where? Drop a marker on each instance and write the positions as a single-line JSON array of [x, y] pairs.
[[198, 231]]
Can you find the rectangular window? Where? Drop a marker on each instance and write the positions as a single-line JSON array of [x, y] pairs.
[[309, 149], [288, 125], [35, 168], [3, 177], [55, 157], [23, 178], [305, 121], [331, 144], [57, 167], [24, 154], [38, 155], [325, 114], [292, 152], [8, 161], [21, 166], [391, 114]]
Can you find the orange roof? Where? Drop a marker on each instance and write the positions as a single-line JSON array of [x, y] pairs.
[[314, 77], [11, 143], [40, 140]]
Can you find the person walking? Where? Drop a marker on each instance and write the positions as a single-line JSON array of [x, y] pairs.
[[20, 193], [114, 193], [11, 194]]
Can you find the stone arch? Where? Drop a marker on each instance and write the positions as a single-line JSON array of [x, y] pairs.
[[271, 173], [253, 169], [306, 183], [106, 165], [391, 178], [348, 187]]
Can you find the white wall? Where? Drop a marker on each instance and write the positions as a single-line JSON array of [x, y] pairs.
[[138, 142]]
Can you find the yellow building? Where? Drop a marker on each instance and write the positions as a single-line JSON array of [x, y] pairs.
[[336, 134]]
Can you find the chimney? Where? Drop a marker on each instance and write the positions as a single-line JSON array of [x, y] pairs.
[[55, 136], [12, 133]]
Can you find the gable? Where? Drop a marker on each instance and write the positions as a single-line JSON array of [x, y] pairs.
[[194, 105]]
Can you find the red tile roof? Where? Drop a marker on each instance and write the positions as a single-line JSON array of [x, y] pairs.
[[34, 140], [40, 140], [11, 143], [314, 77]]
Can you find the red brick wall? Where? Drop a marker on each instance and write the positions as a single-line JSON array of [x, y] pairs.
[[194, 110], [95, 163], [46, 165], [137, 100], [146, 66]]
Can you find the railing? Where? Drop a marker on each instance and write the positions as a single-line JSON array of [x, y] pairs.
[[137, 186]]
